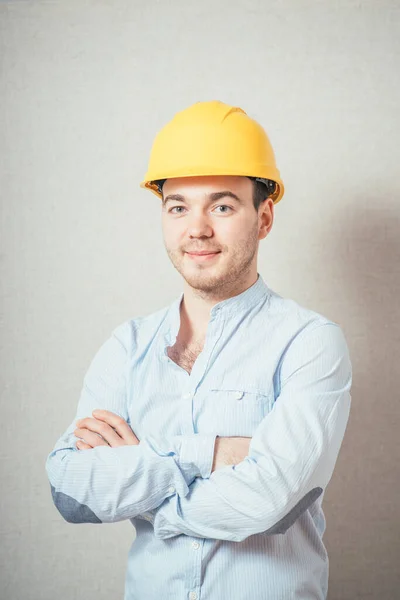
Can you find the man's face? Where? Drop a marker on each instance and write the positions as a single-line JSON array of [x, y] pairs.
[[214, 214]]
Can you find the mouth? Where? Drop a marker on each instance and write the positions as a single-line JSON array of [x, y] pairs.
[[202, 256]]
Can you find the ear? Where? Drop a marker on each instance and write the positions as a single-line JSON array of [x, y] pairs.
[[266, 218]]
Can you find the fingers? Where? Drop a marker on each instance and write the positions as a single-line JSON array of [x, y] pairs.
[[82, 446], [112, 428], [119, 424], [88, 434]]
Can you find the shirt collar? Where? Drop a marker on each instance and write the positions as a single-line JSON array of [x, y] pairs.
[[234, 305]]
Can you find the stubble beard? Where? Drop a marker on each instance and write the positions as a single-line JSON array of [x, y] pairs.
[[214, 280]]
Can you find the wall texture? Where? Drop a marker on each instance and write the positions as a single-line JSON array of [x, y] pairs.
[[84, 87]]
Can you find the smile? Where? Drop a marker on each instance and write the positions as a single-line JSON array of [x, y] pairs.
[[202, 257]]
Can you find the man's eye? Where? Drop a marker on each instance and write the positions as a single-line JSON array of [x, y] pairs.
[[219, 206], [223, 206]]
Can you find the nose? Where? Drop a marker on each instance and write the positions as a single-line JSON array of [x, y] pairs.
[[199, 225]]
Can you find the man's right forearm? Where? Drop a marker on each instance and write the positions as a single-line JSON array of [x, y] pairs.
[[104, 484]]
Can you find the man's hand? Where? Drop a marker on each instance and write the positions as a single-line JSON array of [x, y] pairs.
[[109, 429], [105, 429], [230, 451]]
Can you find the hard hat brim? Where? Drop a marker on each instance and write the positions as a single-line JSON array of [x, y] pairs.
[[152, 186]]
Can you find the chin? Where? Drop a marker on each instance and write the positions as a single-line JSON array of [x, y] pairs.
[[206, 279]]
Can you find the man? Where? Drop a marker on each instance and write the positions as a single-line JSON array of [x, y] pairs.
[[214, 424]]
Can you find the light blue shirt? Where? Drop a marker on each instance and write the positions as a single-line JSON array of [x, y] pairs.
[[271, 370]]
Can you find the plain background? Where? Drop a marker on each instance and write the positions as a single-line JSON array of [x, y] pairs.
[[85, 86]]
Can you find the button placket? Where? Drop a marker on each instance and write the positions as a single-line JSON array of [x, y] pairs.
[[199, 370], [195, 576]]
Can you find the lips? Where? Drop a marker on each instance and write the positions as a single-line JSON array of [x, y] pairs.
[[203, 257], [203, 252]]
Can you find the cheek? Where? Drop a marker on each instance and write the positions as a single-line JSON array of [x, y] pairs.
[[170, 233], [173, 239], [238, 236]]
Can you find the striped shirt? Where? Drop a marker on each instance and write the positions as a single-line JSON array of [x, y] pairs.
[[270, 370]]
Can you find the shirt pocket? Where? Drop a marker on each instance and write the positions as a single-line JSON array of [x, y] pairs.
[[233, 412]]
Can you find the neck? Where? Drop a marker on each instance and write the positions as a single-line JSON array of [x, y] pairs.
[[196, 305]]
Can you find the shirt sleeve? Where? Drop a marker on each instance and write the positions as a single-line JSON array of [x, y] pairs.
[[291, 455], [107, 484]]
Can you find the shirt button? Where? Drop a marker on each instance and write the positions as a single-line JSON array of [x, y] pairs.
[[195, 545], [239, 395], [192, 595], [187, 396], [171, 489]]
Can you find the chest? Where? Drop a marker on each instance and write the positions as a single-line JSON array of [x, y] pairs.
[[185, 355], [223, 385]]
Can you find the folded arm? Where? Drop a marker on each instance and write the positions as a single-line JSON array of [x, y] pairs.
[[107, 484], [292, 453]]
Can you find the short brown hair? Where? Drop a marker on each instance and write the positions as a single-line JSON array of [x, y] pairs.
[[261, 189]]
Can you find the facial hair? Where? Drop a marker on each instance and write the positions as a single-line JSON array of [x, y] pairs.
[[218, 280]]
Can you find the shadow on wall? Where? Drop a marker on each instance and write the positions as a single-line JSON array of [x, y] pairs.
[[362, 503]]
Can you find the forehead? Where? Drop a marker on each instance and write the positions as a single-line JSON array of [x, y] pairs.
[[206, 185]]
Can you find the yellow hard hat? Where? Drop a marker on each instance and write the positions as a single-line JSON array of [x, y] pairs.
[[212, 138]]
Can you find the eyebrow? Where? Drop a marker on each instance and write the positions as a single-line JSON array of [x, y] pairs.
[[211, 197]]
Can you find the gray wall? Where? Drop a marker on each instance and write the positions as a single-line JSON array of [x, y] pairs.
[[84, 87]]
